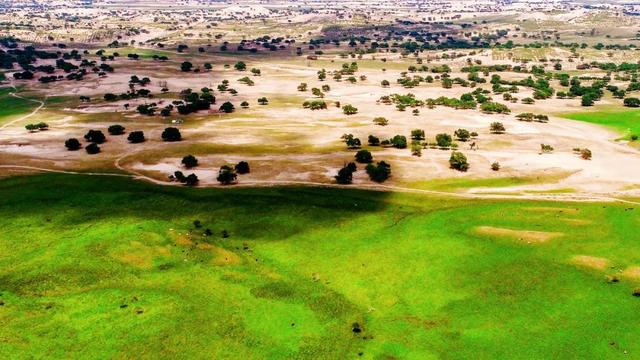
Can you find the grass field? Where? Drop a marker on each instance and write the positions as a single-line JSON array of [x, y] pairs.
[[111, 268], [11, 107], [625, 121]]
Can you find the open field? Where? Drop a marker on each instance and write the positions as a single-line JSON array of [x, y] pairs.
[[285, 179], [424, 277]]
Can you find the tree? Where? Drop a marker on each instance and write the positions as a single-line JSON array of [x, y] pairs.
[[116, 130], [632, 102], [399, 142], [587, 99], [263, 101], [72, 144], [380, 172], [191, 180], [458, 161], [240, 66], [171, 134], [136, 137], [364, 156], [349, 109], [417, 134], [381, 121], [227, 107], [373, 140], [444, 140], [495, 166], [92, 148], [497, 128], [186, 66], [189, 161], [244, 105], [585, 154], [95, 136], [302, 87], [226, 175], [317, 92], [256, 72], [351, 141], [546, 148], [416, 148], [462, 134], [242, 167], [385, 83], [345, 175]]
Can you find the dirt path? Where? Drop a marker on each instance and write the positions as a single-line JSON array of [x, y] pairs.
[[374, 187], [35, 111]]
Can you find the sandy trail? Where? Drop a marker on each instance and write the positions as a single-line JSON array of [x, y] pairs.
[[35, 111], [373, 187]]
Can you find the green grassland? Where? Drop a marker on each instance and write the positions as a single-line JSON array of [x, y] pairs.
[[625, 121], [12, 107], [98, 267]]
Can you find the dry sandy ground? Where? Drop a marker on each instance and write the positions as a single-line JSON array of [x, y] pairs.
[[284, 142]]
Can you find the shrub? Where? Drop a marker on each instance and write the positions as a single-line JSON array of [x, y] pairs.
[[417, 134], [92, 148], [136, 137], [227, 107], [462, 134], [545, 148], [497, 128], [585, 154], [226, 175], [632, 102], [242, 167], [381, 121], [373, 141], [349, 109], [399, 142], [458, 161], [444, 140], [116, 130], [171, 134], [345, 175], [95, 136], [72, 144], [191, 180], [495, 166], [189, 161], [380, 172], [364, 156]]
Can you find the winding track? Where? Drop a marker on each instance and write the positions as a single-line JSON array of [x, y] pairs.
[[374, 187]]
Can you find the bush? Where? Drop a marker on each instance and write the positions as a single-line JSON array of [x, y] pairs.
[[462, 134], [226, 175], [364, 156], [345, 175], [444, 140], [417, 134], [92, 148], [171, 134], [585, 154], [373, 141], [495, 166], [381, 121], [458, 161], [136, 137], [95, 136], [242, 167], [189, 161], [632, 102], [72, 144], [349, 109], [191, 180], [116, 130], [227, 107], [497, 128], [545, 148], [380, 172], [399, 142]]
